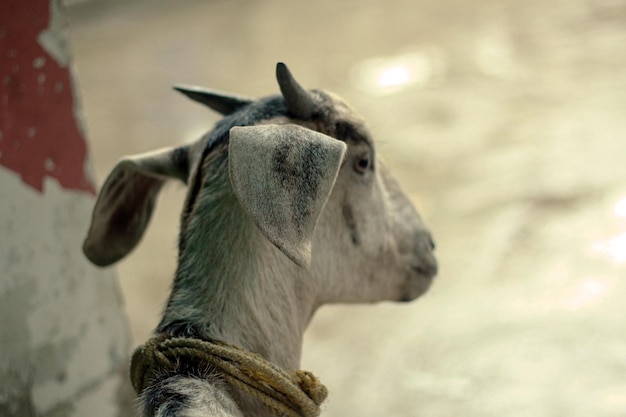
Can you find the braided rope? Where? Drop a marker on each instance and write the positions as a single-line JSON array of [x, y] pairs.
[[289, 394]]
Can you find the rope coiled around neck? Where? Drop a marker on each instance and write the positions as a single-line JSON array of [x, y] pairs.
[[290, 394]]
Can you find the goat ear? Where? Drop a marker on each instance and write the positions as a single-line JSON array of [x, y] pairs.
[[126, 201], [222, 103], [282, 176]]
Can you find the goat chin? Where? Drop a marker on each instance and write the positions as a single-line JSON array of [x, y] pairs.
[[287, 208]]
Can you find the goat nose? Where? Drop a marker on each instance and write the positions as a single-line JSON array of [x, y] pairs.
[[427, 262], [428, 265]]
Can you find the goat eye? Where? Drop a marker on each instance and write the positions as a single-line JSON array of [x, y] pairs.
[[362, 164]]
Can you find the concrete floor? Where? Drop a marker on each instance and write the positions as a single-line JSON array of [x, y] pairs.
[[505, 121]]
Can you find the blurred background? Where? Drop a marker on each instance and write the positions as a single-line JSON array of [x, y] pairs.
[[505, 123]]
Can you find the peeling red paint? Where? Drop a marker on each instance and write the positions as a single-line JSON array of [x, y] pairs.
[[39, 133]]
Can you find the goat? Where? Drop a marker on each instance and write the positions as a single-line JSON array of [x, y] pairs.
[[288, 208]]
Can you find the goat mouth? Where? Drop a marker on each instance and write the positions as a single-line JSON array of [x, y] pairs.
[[416, 284]]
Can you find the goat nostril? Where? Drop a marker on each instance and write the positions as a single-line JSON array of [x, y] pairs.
[[427, 269], [420, 270], [432, 244]]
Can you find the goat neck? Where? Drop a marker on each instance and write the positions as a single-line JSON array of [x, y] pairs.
[[231, 283]]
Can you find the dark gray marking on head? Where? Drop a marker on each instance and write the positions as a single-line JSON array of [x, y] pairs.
[[302, 180], [348, 132], [348, 216]]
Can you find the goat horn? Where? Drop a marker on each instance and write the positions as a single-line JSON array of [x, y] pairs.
[[222, 103], [299, 101]]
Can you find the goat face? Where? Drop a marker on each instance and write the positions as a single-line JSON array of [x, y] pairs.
[[303, 167], [370, 242]]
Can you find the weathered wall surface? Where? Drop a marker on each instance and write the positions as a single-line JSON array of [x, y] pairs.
[[63, 333]]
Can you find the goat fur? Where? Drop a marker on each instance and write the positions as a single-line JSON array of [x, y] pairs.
[[288, 209]]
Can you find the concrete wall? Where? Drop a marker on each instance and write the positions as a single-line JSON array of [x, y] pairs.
[[63, 334]]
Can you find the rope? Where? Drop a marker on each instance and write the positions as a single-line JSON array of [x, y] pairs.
[[287, 394]]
